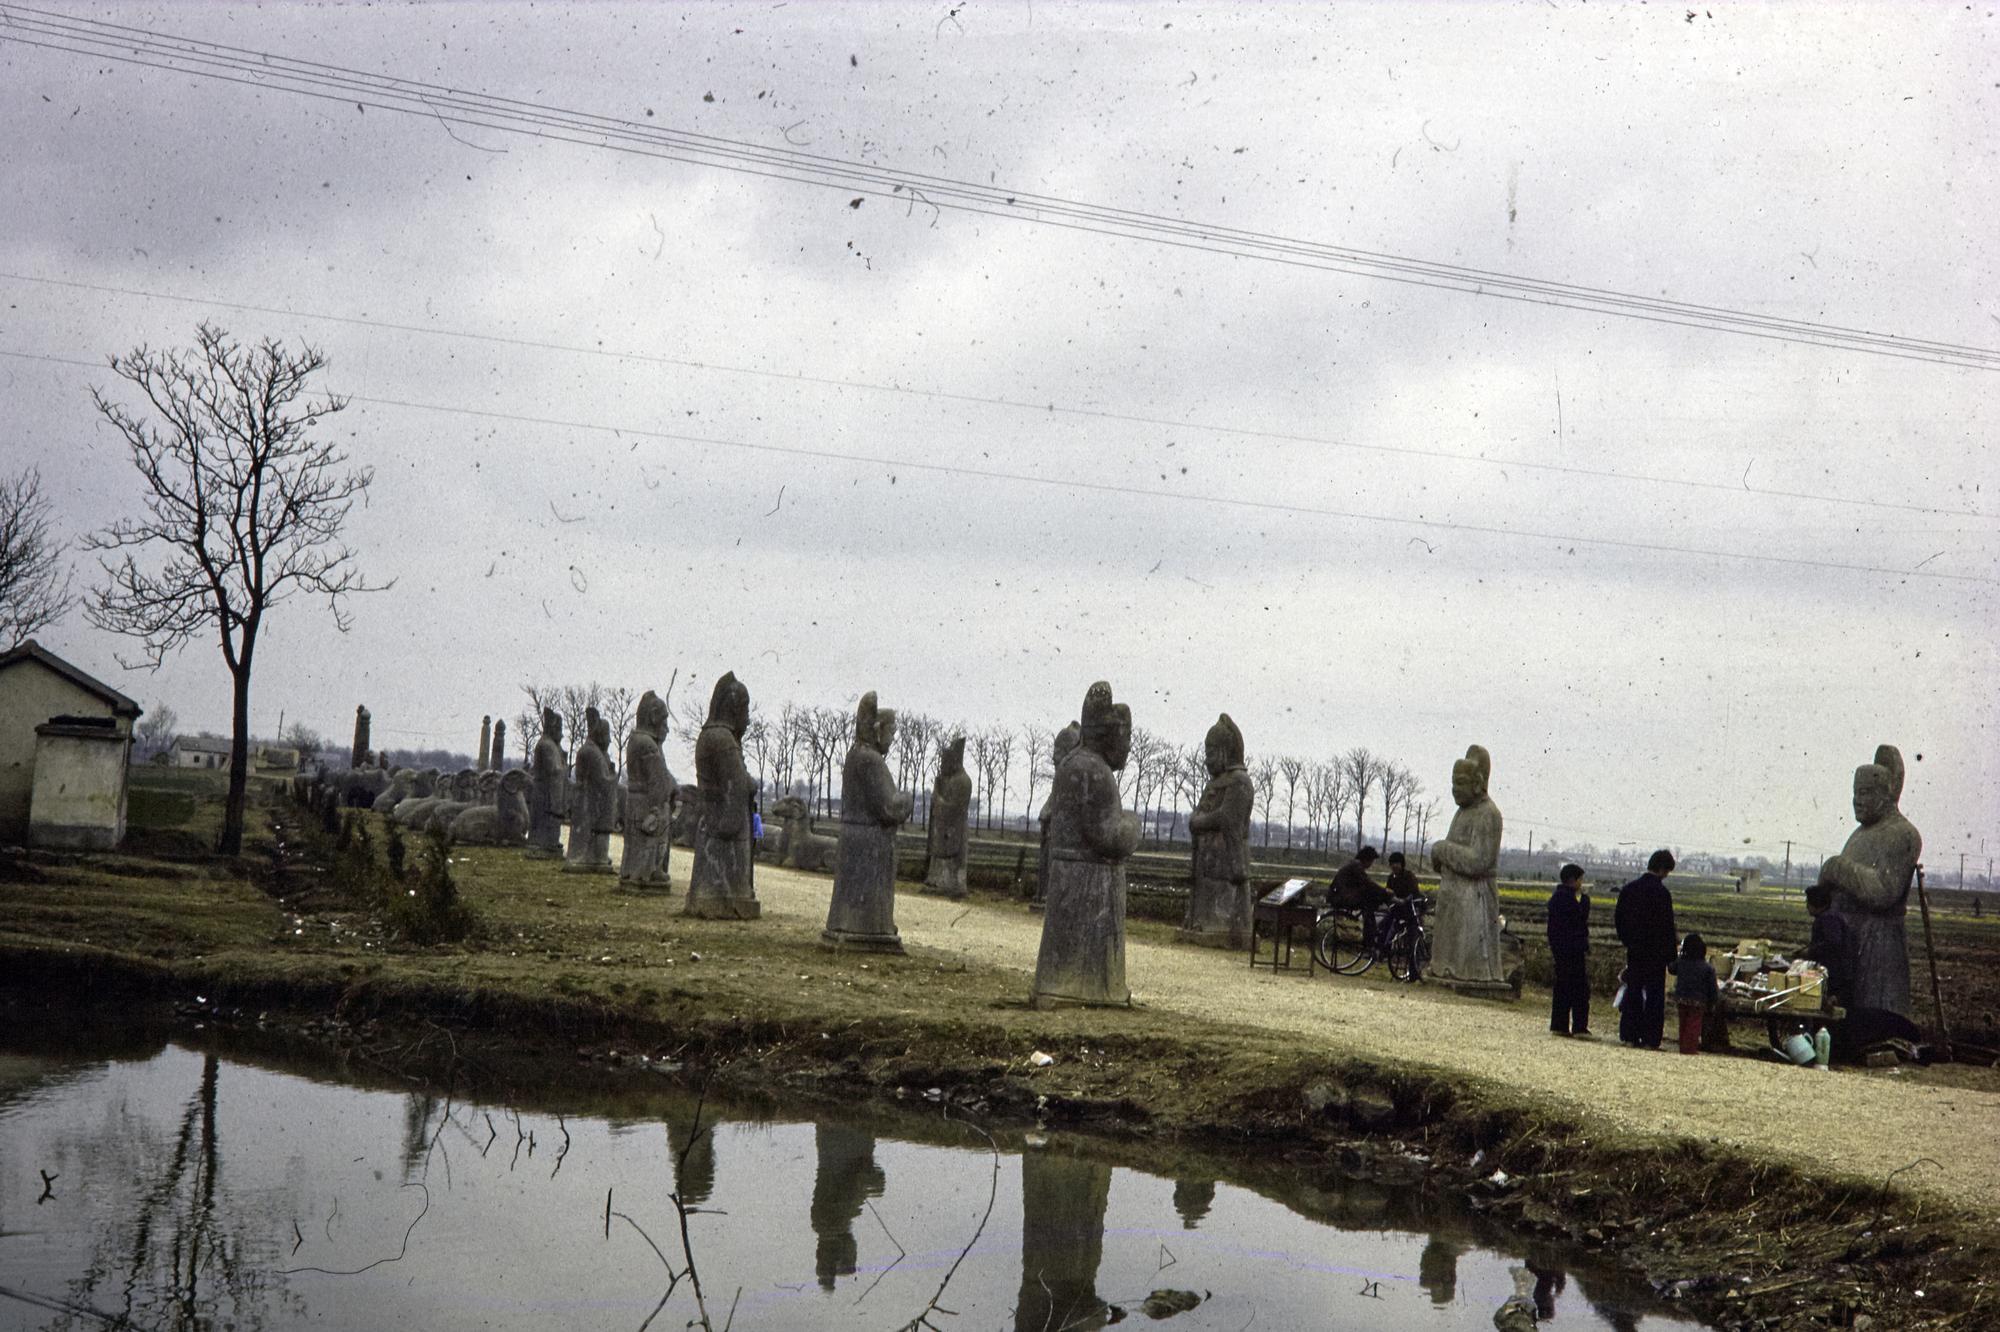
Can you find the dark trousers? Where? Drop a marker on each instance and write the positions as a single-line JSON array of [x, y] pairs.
[[1569, 1011], [1644, 1018]]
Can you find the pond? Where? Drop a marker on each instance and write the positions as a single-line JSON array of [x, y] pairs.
[[161, 1185]]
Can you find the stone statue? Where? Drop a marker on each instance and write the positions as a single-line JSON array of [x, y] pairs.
[[463, 795], [804, 849], [649, 800], [1082, 959], [359, 756], [549, 802], [504, 822], [1218, 912], [485, 742], [401, 783], [1467, 953], [594, 811], [431, 787], [1066, 741], [951, 802], [499, 755], [863, 911], [1871, 879], [722, 883]]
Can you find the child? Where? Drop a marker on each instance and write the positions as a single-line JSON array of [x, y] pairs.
[[1695, 990], [1569, 949]]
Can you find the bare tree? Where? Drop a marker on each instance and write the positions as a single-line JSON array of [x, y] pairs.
[[1395, 785], [1002, 745], [1363, 769], [1190, 780], [980, 743], [34, 586], [310, 743], [617, 709], [1413, 787], [528, 729], [1265, 773], [245, 505], [1337, 787], [574, 703], [1036, 750], [156, 731], [1291, 767]]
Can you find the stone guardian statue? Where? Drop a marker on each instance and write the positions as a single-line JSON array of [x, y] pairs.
[[951, 803], [1082, 959], [721, 885], [649, 801], [594, 811], [1066, 741], [1871, 880], [863, 911], [1467, 953], [548, 799], [1218, 912]]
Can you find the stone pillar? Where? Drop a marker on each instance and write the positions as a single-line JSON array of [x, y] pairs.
[[499, 754], [485, 743], [360, 752]]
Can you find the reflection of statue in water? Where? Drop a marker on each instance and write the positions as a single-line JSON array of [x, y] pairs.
[[1192, 1199], [1437, 1269], [1065, 742], [1466, 949], [694, 1178], [1063, 1200], [862, 913], [1218, 910], [1091, 834], [1870, 879], [847, 1177]]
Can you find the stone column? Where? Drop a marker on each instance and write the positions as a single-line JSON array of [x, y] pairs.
[[485, 742], [360, 754], [499, 753]]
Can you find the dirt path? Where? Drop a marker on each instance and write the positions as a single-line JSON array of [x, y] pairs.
[[1861, 1124]]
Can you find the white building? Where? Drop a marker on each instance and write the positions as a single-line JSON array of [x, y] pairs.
[[65, 739]]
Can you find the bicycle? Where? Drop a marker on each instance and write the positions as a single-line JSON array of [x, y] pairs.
[[1401, 941]]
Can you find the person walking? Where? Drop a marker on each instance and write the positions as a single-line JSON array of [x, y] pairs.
[[1569, 946], [1645, 922], [1695, 990]]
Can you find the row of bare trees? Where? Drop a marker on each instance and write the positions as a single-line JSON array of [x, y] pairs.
[[1335, 795]]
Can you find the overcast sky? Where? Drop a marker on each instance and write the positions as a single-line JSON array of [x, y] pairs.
[[1819, 163]]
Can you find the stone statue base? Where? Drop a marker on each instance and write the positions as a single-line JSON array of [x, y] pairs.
[[1236, 939], [646, 887], [586, 867], [541, 853], [842, 940], [1050, 1001], [946, 879], [723, 908], [1476, 989]]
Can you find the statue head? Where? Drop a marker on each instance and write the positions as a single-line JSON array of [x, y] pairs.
[[489, 783], [1107, 726], [867, 722], [1878, 786], [951, 759], [729, 704], [599, 733], [1065, 743], [465, 786], [1469, 775], [1223, 748], [885, 729], [652, 715], [552, 724]]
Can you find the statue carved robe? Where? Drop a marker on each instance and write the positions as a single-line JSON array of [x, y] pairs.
[[1218, 912], [548, 795], [722, 883], [1082, 957], [594, 814], [1467, 952], [1871, 880], [649, 797], [1064, 745], [951, 804], [863, 911]]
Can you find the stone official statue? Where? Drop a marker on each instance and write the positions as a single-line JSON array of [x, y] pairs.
[[548, 799], [951, 803], [594, 811], [1871, 878], [1467, 953], [1066, 741], [721, 884], [1082, 958], [863, 911], [649, 798], [1218, 912]]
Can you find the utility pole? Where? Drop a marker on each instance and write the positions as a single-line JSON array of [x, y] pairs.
[[1961, 871], [1786, 877]]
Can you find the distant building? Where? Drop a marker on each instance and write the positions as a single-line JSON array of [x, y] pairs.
[[199, 751], [65, 739]]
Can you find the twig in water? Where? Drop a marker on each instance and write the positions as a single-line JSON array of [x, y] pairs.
[[901, 1253], [922, 1320], [565, 1147], [328, 1271], [48, 1186], [682, 1211], [329, 1220], [1167, 1260], [297, 1238], [519, 1137], [607, 1214], [491, 1134]]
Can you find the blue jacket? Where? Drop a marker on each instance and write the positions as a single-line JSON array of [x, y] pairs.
[[1569, 923]]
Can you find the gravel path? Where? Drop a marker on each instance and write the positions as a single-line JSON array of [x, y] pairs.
[[1851, 1122]]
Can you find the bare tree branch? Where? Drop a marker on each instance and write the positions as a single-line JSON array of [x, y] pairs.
[[34, 585]]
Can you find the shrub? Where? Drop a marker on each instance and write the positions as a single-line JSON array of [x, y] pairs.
[[429, 910], [396, 849]]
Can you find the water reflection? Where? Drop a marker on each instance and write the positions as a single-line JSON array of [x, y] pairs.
[[847, 1177], [199, 1193]]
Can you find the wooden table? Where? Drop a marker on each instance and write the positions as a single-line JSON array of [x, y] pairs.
[[1282, 920]]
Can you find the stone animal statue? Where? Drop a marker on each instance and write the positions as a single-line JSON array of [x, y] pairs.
[[464, 795], [428, 787], [402, 783], [502, 823], [804, 849]]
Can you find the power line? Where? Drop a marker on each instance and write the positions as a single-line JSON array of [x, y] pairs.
[[1111, 488], [337, 83], [1042, 408]]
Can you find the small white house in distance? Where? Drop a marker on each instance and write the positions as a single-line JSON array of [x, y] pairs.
[[198, 751], [88, 739]]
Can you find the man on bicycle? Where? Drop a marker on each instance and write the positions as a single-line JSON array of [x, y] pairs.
[[1353, 889]]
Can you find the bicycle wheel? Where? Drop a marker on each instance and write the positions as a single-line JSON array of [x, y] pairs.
[[1400, 952], [1337, 944]]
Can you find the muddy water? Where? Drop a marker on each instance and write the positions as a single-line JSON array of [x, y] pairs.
[[193, 1190]]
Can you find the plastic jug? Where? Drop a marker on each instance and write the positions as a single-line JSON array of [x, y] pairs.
[[1822, 1047]]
